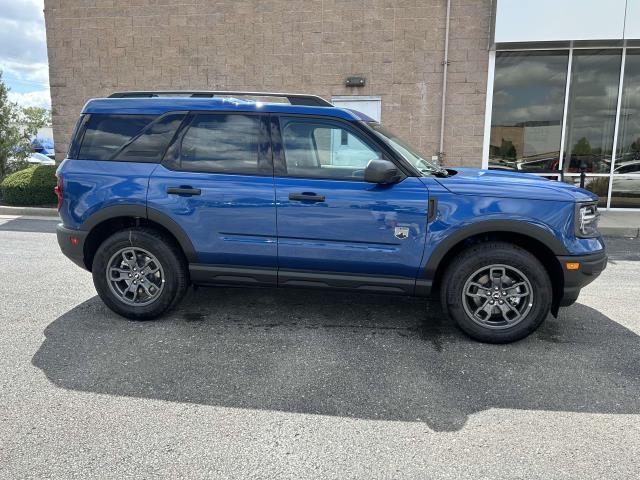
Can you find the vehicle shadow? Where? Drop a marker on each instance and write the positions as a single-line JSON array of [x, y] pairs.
[[360, 356]]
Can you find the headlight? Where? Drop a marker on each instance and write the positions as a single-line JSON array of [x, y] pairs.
[[586, 220]]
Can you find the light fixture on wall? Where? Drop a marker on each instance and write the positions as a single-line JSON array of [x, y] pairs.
[[355, 82]]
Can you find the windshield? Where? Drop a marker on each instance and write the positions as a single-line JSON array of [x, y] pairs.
[[406, 151]]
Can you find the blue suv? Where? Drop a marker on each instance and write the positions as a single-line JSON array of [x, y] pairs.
[[161, 190]]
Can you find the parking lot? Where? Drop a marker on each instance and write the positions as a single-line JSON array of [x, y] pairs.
[[265, 383]]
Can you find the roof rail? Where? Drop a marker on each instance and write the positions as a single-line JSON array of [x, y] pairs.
[[293, 98]]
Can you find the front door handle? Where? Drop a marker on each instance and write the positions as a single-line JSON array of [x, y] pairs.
[[306, 197], [187, 191]]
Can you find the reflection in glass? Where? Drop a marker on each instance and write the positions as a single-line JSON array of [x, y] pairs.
[[625, 191], [628, 149], [592, 110], [528, 101], [597, 185]]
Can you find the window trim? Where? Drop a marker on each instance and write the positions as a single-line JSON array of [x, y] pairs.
[[172, 160], [280, 165]]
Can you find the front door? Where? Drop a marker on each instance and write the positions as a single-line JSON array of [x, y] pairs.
[[335, 229], [217, 184]]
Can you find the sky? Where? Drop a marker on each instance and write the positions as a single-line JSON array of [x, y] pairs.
[[23, 52]]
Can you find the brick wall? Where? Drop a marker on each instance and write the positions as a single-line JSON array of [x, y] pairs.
[[99, 46]]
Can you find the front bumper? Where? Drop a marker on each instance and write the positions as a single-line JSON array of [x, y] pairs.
[[574, 280], [72, 244]]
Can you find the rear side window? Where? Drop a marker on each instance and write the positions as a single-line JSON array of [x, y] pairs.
[[220, 143], [74, 146], [105, 135]]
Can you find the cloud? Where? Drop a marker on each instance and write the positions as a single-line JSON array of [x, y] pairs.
[[23, 49], [515, 69], [38, 98]]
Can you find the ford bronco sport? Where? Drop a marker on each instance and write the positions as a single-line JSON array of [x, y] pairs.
[[161, 190]]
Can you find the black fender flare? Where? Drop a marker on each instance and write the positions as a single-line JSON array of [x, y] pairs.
[[520, 227], [141, 211]]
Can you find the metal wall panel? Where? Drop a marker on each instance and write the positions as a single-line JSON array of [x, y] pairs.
[[563, 20]]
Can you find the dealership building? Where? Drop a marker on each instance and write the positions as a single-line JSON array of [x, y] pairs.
[[550, 87]]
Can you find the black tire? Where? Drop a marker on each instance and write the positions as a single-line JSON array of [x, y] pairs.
[[527, 312], [173, 270]]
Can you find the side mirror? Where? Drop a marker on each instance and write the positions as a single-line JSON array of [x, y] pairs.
[[381, 171]]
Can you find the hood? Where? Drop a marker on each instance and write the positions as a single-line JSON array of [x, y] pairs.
[[497, 183]]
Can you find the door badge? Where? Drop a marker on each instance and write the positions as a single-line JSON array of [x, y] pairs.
[[402, 232]]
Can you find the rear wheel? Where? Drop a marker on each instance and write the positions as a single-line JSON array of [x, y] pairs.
[[139, 273], [497, 292]]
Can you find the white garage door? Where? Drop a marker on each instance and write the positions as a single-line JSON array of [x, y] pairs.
[[370, 106]]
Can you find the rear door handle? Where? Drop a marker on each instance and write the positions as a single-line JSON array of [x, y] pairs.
[[188, 191], [306, 197]]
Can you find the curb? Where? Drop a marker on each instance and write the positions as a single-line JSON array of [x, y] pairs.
[[622, 232], [29, 211]]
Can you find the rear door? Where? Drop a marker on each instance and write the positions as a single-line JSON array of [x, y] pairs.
[[216, 183], [335, 229]]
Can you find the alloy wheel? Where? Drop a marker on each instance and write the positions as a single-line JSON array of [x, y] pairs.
[[135, 276], [497, 296]]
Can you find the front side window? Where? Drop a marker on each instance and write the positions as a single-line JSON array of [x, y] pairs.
[[220, 143], [324, 149], [105, 134]]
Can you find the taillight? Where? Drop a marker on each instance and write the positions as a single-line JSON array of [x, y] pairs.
[[58, 190]]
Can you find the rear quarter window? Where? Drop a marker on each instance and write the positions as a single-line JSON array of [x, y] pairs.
[[76, 138], [105, 135]]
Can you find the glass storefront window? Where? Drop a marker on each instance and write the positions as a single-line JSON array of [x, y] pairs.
[[591, 115], [625, 191], [598, 185], [628, 148], [526, 119], [528, 112]]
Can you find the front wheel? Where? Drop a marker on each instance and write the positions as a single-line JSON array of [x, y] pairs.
[[139, 273], [496, 292]]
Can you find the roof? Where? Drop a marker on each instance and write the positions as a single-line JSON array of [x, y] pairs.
[[160, 105]]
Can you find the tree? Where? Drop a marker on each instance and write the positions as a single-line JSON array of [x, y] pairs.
[[35, 118], [17, 128], [582, 147], [508, 150]]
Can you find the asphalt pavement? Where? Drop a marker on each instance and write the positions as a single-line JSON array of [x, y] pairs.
[[266, 383]]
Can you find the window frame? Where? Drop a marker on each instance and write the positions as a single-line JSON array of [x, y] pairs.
[[172, 156], [355, 128]]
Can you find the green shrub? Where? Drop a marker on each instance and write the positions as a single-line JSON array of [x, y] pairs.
[[599, 186], [31, 186]]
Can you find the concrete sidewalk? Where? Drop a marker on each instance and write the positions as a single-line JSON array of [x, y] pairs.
[[612, 223]]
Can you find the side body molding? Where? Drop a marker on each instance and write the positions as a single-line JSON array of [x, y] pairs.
[[140, 211]]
